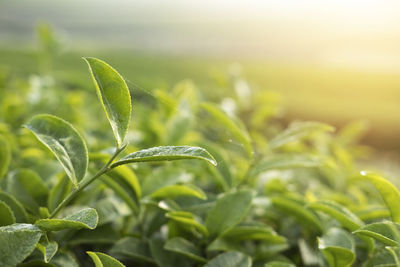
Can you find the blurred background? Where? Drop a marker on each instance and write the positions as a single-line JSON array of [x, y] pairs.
[[333, 61]]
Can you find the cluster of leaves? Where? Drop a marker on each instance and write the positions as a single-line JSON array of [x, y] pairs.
[[291, 197]]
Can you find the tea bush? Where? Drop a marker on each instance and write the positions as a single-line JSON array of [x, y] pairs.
[[191, 183]]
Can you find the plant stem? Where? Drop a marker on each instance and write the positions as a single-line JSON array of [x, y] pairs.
[[86, 182]]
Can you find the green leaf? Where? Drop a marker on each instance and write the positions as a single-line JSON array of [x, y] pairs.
[[64, 141], [187, 218], [59, 192], [48, 249], [16, 207], [36, 263], [103, 260], [5, 156], [389, 193], [373, 213], [165, 258], [239, 133], [279, 264], [344, 216], [301, 213], [395, 253], [386, 232], [133, 248], [231, 259], [228, 211], [127, 178], [123, 192], [104, 234], [114, 96], [174, 191], [85, 218], [184, 247], [163, 153], [254, 232], [298, 130], [17, 241], [6, 215], [28, 188], [287, 161], [338, 248]]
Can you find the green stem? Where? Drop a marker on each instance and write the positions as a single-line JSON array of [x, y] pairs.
[[86, 182]]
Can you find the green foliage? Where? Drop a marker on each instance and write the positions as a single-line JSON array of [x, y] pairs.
[[278, 197]]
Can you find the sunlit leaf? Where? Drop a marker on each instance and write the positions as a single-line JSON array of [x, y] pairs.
[[187, 218], [385, 232], [338, 248], [103, 260], [164, 153], [64, 141], [17, 241], [85, 218], [114, 96], [174, 191]]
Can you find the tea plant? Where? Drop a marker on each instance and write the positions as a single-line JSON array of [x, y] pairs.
[[291, 197]]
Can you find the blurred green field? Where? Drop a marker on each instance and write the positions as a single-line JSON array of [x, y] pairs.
[[309, 92]]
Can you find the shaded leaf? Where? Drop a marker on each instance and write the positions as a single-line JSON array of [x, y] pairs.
[[386, 232], [184, 247], [127, 178], [126, 195], [114, 96], [231, 259], [5, 156], [103, 260], [163, 153], [133, 248], [16, 207], [337, 247], [228, 211], [17, 241], [6, 215], [64, 141], [187, 218], [298, 130], [254, 232], [85, 218], [59, 192], [48, 249]]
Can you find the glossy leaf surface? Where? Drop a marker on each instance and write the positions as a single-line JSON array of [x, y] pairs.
[[85, 218]]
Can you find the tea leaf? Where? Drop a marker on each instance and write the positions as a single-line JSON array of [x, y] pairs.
[[48, 250], [163, 153], [123, 192], [103, 260], [228, 211], [28, 188], [16, 207], [337, 247], [17, 241], [239, 133], [297, 131], [187, 218], [279, 264], [133, 248], [127, 178], [114, 96], [184, 247], [6, 215], [85, 218], [345, 217], [389, 193], [174, 191], [64, 141], [231, 259], [5, 156], [304, 215], [58, 192], [386, 232], [254, 232]]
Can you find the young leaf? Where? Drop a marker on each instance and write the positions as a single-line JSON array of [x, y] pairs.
[[389, 193], [187, 218], [228, 211], [174, 191], [6, 215], [16, 207], [114, 96], [85, 218], [337, 247], [345, 217], [386, 232], [297, 131], [163, 153], [254, 232], [304, 215], [48, 250], [64, 141], [17, 241], [28, 188], [184, 247], [127, 178], [231, 259], [5, 156], [103, 260], [237, 132]]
